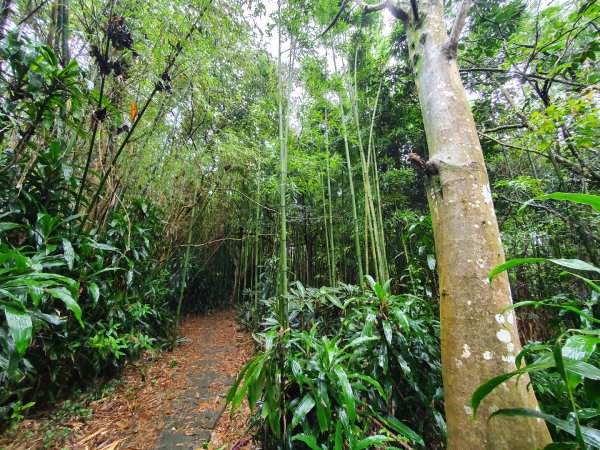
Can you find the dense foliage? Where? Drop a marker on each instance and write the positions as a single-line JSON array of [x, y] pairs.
[[156, 160]]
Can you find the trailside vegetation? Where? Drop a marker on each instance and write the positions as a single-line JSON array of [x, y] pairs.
[[401, 198]]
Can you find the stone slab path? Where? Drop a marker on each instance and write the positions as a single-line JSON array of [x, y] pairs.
[[166, 400], [197, 411]]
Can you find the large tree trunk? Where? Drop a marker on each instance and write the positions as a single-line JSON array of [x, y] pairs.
[[477, 343]]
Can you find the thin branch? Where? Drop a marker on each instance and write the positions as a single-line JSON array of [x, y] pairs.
[[394, 9], [524, 75], [244, 195], [35, 10], [505, 127], [459, 24], [336, 18], [415, 9]]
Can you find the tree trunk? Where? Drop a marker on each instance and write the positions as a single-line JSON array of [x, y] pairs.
[[477, 343]]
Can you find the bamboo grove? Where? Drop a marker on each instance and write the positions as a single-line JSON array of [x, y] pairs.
[[288, 158]]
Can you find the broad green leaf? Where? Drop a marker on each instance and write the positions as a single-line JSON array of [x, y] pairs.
[[358, 341], [234, 391], [579, 347], [7, 226], [387, 331], [95, 291], [69, 253], [431, 262], [339, 439], [374, 441], [36, 291], [308, 440], [304, 407], [334, 300], [403, 430], [347, 392], [401, 316], [551, 305], [63, 294], [568, 263], [20, 326], [482, 391], [584, 199], [371, 381], [587, 281], [584, 369], [591, 436], [371, 281]]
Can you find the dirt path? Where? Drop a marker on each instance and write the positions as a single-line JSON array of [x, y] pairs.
[[173, 401]]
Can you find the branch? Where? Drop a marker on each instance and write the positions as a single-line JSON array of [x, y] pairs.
[[394, 9], [415, 10], [525, 75], [459, 24], [505, 127], [373, 8], [336, 18]]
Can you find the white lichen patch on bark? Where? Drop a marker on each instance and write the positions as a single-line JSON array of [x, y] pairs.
[[504, 336], [468, 410], [487, 193], [511, 317], [510, 347], [487, 355], [466, 351], [500, 319]]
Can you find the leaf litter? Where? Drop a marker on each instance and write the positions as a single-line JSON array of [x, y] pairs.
[[132, 415]]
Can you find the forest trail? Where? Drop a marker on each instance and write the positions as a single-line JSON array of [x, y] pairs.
[[172, 400]]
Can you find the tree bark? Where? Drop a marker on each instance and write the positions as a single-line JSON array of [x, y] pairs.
[[477, 343]]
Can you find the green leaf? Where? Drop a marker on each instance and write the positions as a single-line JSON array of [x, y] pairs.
[[401, 316], [308, 440], [387, 331], [371, 281], [403, 430], [347, 392], [20, 326], [358, 341], [304, 407], [579, 347], [585, 199], [568, 263], [69, 253], [36, 291], [95, 291], [371, 381], [7, 226], [367, 442], [63, 294], [584, 369], [334, 300], [339, 439], [591, 436], [431, 262], [551, 305], [482, 391]]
